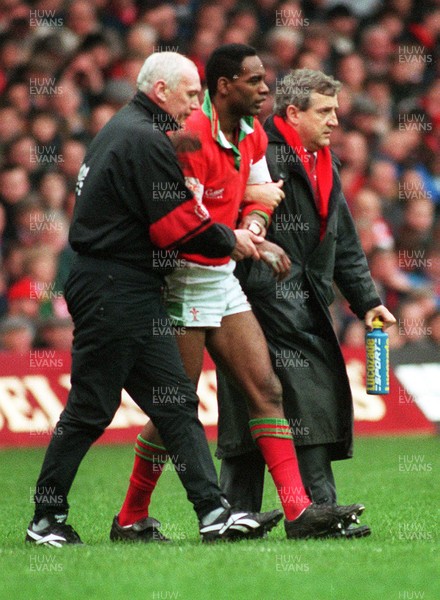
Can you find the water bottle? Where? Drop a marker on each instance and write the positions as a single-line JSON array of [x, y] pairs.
[[378, 359]]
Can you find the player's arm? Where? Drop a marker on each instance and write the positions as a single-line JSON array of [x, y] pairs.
[[260, 199]]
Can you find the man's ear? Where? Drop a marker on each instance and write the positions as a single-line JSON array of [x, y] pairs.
[[161, 90], [292, 113], [223, 84]]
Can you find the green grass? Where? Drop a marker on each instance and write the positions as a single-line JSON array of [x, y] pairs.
[[399, 561]]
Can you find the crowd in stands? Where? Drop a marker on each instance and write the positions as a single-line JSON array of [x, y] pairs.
[[67, 66]]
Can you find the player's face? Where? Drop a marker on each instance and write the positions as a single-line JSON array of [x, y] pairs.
[[184, 98], [316, 124], [248, 91]]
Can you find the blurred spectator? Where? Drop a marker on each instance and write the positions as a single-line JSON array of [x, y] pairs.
[[399, 146], [17, 93], [402, 8], [431, 272], [342, 23], [16, 334], [40, 269], [377, 47], [354, 157], [99, 116], [22, 301], [46, 130], [52, 190], [67, 103], [72, 153], [141, 40], [307, 59], [12, 123], [28, 222], [13, 259], [393, 283], [370, 224], [283, 43], [350, 69], [55, 333], [82, 19], [163, 19], [434, 326], [243, 17], [23, 151], [353, 334], [366, 119], [383, 180], [415, 234], [406, 72], [317, 40], [14, 187], [415, 330], [211, 16], [378, 90], [200, 48]]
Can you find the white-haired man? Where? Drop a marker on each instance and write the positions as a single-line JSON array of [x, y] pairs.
[[114, 296]]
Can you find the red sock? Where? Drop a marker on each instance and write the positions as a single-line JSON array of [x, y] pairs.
[[149, 461], [274, 439]]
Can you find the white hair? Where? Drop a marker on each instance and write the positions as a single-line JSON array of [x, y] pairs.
[[168, 66], [283, 34]]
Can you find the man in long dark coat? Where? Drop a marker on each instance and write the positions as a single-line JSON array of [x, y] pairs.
[[314, 226]]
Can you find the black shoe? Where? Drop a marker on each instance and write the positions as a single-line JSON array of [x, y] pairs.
[[144, 530], [349, 514], [351, 532], [317, 520], [237, 525], [55, 534]]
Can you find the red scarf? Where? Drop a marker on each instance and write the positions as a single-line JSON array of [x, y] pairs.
[[324, 170]]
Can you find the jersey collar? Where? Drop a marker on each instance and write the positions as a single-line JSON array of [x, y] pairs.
[[246, 127]]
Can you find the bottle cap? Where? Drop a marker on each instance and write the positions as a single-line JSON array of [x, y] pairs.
[[377, 323]]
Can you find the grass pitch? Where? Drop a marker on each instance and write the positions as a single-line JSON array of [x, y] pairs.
[[397, 478]]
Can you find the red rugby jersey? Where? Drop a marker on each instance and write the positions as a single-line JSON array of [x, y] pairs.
[[217, 171]]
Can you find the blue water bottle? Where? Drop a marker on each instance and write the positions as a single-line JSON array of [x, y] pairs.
[[378, 359]]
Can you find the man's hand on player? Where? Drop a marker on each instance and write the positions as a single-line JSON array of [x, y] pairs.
[[245, 246], [269, 194], [276, 258]]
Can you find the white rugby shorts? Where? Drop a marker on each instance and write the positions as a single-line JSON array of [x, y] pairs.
[[200, 296]]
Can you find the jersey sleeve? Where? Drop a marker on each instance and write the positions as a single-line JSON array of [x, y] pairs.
[[177, 218], [259, 173], [261, 141], [173, 213], [192, 161]]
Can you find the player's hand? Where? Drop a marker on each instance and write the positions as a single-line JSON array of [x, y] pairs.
[[276, 258], [255, 223], [245, 246], [383, 313], [269, 194]]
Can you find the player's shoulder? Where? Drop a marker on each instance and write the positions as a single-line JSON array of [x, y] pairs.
[[189, 138], [258, 138], [259, 131], [197, 120]]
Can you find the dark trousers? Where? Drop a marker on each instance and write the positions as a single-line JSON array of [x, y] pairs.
[[242, 477], [123, 339]]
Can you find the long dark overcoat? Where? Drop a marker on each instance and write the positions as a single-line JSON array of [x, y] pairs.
[[294, 314]]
